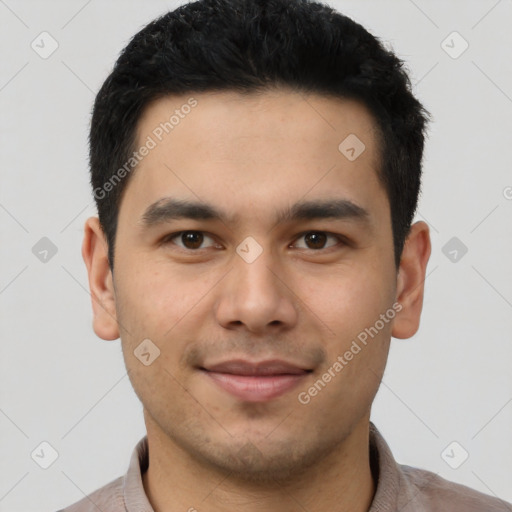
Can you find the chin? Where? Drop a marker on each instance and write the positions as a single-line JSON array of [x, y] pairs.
[[257, 460]]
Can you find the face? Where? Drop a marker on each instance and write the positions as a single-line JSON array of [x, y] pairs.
[[256, 255]]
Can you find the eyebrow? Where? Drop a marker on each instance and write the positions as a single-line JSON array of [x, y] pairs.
[[167, 209]]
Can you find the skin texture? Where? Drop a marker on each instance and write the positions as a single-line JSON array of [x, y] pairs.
[[253, 156]]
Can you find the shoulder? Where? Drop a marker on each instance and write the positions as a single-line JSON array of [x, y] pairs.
[[437, 493], [108, 498]]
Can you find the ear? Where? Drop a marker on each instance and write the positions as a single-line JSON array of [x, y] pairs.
[[95, 255], [411, 280]]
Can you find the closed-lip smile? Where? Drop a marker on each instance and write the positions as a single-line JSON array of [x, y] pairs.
[[256, 381]]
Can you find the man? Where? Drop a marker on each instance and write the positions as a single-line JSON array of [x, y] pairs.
[[256, 167]]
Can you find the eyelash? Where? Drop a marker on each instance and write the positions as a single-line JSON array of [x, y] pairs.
[[341, 239]]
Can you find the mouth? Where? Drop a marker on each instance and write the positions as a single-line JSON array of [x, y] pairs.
[[256, 382]]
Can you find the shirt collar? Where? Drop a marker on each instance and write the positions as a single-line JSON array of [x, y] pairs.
[[133, 489]]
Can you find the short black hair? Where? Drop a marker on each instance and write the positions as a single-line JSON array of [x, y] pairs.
[[250, 46]]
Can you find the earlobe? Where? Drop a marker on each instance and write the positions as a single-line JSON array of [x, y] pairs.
[[411, 280], [95, 255]]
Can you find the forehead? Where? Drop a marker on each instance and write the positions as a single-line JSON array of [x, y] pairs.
[[255, 152]]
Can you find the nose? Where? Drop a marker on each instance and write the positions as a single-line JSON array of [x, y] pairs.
[[257, 297]]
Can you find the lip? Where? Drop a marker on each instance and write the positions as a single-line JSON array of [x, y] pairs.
[[256, 382]]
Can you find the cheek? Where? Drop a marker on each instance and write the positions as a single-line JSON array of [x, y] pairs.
[[163, 306], [347, 301], [155, 307], [356, 355], [151, 297]]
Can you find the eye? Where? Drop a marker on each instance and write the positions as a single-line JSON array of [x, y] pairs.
[[191, 240], [316, 239]]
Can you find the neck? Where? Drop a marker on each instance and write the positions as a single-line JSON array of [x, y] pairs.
[[342, 481]]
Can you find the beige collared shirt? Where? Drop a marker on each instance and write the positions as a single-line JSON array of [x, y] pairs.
[[399, 488]]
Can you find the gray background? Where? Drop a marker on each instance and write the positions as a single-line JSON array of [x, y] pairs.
[[61, 384]]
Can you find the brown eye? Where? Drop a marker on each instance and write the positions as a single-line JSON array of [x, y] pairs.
[[187, 239], [192, 239], [317, 239]]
